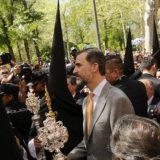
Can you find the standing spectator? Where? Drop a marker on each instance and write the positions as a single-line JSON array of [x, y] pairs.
[[19, 116], [103, 106], [73, 88], [135, 90], [149, 69], [39, 80], [153, 101]]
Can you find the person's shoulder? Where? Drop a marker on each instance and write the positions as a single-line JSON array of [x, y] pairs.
[[136, 83], [116, 92], [145, 75], [150, 77]]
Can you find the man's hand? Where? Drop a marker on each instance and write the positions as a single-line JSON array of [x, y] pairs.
[[37, 143]]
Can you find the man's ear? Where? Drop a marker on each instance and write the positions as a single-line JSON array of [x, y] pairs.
[[94, 67], [116, 74], [11, 97], [155, 66], [116, 70]]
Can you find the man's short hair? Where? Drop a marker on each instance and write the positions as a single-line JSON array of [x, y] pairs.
[[136, 138], [94, 55], [148, 62], [38, 76], [73, 80], [9, 89], [114, 61]]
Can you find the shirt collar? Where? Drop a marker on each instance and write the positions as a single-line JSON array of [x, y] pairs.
[[150, 100], [98, 89], [146, 72]]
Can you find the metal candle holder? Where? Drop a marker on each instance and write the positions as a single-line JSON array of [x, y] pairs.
[[33, 105], [53, 135]]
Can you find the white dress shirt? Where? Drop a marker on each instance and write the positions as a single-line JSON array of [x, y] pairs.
[[97, 91]]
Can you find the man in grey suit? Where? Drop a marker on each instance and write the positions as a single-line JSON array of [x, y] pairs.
[[109, 103]]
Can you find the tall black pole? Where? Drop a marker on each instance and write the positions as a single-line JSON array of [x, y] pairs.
[[96, 25]]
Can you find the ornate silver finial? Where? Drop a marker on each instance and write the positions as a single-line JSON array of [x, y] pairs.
[[33, 105], [53, 135], [32, 102]]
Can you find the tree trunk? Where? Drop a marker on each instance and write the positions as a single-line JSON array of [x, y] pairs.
[[96, 25], [37, 50], [27, 51], [151, 8], [123, 25], [121, 43], [10, 50], [19, 52], [141, 22], [124, 31], [25, 40], [8, 42], [105, 35]]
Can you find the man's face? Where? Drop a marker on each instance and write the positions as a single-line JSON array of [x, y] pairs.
[[153, 70], [4, 72], [72, 88], [6, 99], [83, 69], [111, 75], [39, 87]]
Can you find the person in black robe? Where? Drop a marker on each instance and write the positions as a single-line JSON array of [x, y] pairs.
[[135, 90]]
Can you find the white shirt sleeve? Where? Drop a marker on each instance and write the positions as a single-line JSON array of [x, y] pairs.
[[32, 149], [24, 154]]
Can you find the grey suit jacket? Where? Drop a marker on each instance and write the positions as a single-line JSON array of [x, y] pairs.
[[112, 104]]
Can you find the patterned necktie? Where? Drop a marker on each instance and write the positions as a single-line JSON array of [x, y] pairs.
[[89, 111]]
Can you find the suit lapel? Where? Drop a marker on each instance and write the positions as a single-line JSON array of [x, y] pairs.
[[84, 117], [99, 107]]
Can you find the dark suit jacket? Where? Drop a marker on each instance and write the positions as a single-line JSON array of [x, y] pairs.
[[79, 98], [8, 146], [136, 92], [20, 118], [155, 100], [156, 82]]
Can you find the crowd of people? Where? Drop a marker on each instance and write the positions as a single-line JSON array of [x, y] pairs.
[[114, 116]]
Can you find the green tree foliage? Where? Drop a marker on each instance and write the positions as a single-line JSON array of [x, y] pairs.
[[32, 21], [18, 21], [26, 27], [113, 15]]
